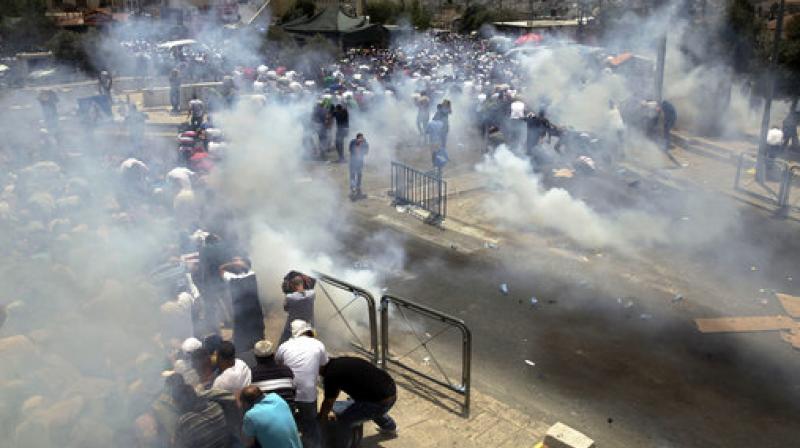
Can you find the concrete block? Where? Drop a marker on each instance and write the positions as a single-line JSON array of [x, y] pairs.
[[562, 436]]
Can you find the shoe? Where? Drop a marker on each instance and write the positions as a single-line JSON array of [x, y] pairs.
[[341, 161], [387, 432]]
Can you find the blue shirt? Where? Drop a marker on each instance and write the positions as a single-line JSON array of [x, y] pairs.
[[271, 422]]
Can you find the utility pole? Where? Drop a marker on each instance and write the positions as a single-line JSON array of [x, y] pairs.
[[662, 55], [761, 159]]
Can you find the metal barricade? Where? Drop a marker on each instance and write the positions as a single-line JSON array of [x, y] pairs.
[[785, 199], [424, 190], [354, 294], [423, 339], [746, 180]]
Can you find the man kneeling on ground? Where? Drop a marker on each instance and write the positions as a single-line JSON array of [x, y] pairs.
[[372, 394]]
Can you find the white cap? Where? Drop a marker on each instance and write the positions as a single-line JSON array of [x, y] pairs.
[[300, 327], [190, 345], [263, 348]]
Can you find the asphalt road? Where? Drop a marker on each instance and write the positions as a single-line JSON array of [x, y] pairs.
[[623, 361]]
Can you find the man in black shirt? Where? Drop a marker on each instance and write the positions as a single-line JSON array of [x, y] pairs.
[[372, 394], [270, 376], [342, 126]]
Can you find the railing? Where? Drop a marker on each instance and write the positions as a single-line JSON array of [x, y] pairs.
[[751, 185], [424, 190], [785, 200], [355, 294], [403, 306]]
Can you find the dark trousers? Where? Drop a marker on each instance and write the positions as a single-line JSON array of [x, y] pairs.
[[175, 99], [197, 121], [341, 134], [790, 137], [308, 424], [350, 414]]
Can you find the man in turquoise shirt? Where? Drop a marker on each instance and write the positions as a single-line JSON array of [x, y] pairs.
[[268, 419]]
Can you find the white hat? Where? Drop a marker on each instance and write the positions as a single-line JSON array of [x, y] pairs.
[[190, 345], [263, 348], [300, 327]]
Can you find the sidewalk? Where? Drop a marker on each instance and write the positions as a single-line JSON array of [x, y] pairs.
[[426, 418], [711, 163], [428, 415]]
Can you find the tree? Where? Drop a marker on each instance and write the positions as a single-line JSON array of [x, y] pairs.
[[383, 11], [474, 17], [81, 50], [788, 82], [24, 26], [301, 8], [742, 36], [421, 17]]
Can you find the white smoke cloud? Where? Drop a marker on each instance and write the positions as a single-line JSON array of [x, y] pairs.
[[522, 201]]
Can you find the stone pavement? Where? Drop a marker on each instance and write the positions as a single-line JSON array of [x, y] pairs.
[[711, 163], [428, 415], [427, 418]]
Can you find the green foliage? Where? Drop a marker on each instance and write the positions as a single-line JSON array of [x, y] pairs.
[[383, 11], [301, 8], [742, 36], [474, 17], [789, 59], [421, 17], [20, 8], [391, 12], [24, 26], [81, 50]]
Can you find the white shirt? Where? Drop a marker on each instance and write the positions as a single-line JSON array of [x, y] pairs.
[[774, 137], [234, 378], [615, 121], [182, 176], [517, 110], [176, 317], [304, 355], [131, 163]]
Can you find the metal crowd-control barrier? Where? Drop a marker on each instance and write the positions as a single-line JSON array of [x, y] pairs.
[[786, 187], [357, 294], [424, 190], [744, 183], [403, 305]]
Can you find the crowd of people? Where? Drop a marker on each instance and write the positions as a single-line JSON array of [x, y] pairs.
[[266, 396], [250, 390]]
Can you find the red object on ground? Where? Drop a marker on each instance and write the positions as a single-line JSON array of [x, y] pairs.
[[528, 38]]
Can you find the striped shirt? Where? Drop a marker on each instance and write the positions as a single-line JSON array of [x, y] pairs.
[[270, 376], [203, 427]]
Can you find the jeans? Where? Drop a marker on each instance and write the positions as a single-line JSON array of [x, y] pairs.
[[341, 134], [422, 122], [175, 99], [350, 414], [308, 424], [355, 175]]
